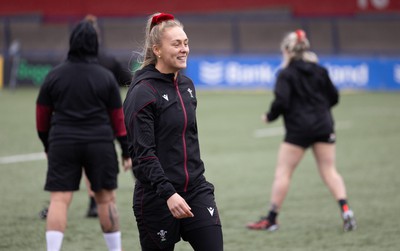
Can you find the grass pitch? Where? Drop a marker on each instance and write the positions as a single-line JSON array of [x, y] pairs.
[[240, 154]]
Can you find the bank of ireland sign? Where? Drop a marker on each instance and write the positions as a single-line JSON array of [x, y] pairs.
[[236, 73], [256, 72], [211, 73], [396, 73]]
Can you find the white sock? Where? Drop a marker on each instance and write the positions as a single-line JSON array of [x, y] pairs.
[[54, 240], [113, 241]]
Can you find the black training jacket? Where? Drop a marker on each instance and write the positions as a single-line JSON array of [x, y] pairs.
[[79, 101], [160, 118], [304, 95], [121, 73]]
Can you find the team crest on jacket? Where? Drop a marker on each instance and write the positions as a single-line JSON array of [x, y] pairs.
[[190, 92], [165, 96]]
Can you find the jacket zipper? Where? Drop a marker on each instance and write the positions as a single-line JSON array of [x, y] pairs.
[[183, 136]]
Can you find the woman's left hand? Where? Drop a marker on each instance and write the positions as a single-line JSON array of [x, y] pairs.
[[264, 118], [178, 207], [127, 163]]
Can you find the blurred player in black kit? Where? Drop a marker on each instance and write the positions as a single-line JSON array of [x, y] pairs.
[[304, 96], [78, 116]]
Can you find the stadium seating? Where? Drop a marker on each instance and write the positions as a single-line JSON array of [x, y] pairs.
[[245, 33]]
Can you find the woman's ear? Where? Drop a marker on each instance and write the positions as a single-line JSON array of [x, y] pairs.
[[156, 51]]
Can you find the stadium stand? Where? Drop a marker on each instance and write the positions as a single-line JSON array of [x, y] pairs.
[[214, 33], [222, 35]]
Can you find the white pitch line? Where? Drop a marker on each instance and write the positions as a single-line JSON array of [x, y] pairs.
[[22, 158], [259, 133], [268, 132], [278, 131]]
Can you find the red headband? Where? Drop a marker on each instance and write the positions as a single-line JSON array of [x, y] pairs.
[[161, 18], [301, 35]]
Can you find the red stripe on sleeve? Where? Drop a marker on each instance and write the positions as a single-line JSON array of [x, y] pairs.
[[117, 122], [43, 117]]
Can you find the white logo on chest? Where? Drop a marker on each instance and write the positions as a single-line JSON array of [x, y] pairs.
[[190, 92]]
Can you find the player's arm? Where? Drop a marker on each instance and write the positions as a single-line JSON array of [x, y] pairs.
[[140, 108]]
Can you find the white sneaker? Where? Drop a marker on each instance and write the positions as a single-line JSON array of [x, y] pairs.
[[349, 222]]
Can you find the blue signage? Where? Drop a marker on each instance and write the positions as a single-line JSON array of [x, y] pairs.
[[257, 72]]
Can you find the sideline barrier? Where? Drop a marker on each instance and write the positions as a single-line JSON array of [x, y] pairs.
[[258, 72]]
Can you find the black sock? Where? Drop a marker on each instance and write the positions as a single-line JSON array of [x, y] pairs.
[[343, 205], [272, 216], [92, 202]]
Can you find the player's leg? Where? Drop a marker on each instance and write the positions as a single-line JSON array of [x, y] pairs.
[[92, 210], [158, 229], [107, 210], [206, 239], [56, 221], [109, 218], [289, 156], [63, 177], [164, 249], [101, 169], [57, 215], [203, 231], [325, 156]]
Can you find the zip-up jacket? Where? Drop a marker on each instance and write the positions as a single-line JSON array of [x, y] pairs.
[[160, 118], [304, 95]]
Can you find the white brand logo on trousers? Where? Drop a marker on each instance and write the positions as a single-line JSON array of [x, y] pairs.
[[165, 96], [211, 210]]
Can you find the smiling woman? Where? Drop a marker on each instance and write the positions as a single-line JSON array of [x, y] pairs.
[[172, 199], [166, 44], [173, 51]]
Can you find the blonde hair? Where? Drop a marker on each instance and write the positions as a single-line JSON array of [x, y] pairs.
[[92, 19], [295, 45], [154, 33]]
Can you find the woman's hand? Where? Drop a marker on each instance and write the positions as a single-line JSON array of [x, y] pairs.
[[264, 118], [178, 207], [127, 163]]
